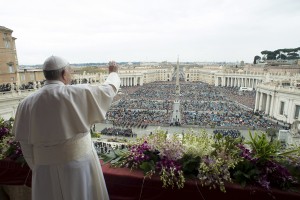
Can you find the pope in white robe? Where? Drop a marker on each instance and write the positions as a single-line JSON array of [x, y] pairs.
[[53, 127]]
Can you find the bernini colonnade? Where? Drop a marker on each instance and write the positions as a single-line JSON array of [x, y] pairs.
[[238, 79]]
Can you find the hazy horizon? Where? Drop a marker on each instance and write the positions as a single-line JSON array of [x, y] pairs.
[[96, 31]]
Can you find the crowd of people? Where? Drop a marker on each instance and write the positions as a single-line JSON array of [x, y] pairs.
[[231, 132], [133, 118], [105, 147], [5, 87], [118, 132], [201, 104], [13, 87], [246, 98], [208, 106], [144, 104], [155, 91], [199, 92]]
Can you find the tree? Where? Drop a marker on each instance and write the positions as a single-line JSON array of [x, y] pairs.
[[256, 59], [283, 54], [293, 55]]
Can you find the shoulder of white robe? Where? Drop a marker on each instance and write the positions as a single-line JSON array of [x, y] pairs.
[[113, 79]]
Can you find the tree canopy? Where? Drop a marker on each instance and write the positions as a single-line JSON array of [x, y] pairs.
[[282, 54]]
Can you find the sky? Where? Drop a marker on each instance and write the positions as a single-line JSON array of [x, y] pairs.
[[88, 31]]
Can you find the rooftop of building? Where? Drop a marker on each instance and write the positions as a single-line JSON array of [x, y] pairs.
[[5, 29]]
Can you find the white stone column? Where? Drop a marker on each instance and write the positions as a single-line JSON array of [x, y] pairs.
[[289, 115], [260, 101], [134, 81], [216, 81], [271, 111], [268, 104]]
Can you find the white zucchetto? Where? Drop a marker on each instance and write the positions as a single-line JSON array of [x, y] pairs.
[[54, 63]]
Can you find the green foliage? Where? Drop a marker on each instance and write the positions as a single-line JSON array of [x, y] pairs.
[[148, 167], [115, 157], [213, 161], [256, 59], [190, 165], [283, 54], [264, 149], [245, 173]]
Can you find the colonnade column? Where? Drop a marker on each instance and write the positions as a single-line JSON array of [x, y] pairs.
[[272, 106], [268, 104], [223, 81], [260, 101]]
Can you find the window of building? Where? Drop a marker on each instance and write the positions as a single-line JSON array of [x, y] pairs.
[[281, 107], [297, 111], [22, 77], [6, 41], [10, 69]]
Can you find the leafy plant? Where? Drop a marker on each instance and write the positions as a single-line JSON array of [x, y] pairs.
[[213, 161], [262, 148], [261, 164], [9, 148]]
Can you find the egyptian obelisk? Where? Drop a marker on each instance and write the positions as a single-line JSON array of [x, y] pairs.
[[176, 117]]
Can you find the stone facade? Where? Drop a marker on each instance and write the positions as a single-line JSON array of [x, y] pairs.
[[8, 56], [278, 101]]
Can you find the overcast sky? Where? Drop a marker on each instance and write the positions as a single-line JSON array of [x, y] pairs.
[[150, 30]]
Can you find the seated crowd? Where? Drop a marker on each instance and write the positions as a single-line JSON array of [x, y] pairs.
[[137, 118], [105, 147], [118, 132], [231, 132], [201, 104]]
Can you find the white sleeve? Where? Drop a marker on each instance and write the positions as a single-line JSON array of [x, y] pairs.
[[27, 150], [114, 80]]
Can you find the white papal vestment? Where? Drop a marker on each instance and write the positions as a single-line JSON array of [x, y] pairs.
[[53, 126]]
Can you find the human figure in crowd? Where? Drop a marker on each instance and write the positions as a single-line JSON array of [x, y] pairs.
[[53, 127]]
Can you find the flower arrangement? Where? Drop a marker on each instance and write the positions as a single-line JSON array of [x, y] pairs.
[[211, 160], [263, 165], [9, 148]]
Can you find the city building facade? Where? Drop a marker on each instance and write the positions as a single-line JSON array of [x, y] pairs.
[[279, 101], [8, 56]]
